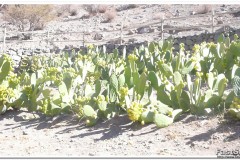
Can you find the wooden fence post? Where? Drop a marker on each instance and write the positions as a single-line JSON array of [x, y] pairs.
[[83, 38], [162, 20], [4, 40], [121, 34], [48, 37], [212, 21]]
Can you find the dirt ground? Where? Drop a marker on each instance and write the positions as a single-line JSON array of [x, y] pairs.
[[23, 135]]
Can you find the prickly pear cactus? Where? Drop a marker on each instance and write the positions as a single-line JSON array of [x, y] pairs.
[[236, 85], [235, 106], [135, 111]]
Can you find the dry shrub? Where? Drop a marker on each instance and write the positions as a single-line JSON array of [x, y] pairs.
[[102, 8], [110, 15], [91, 9], [159, 16], [67, 10], [203, 9], [29, 17], [165, 7]]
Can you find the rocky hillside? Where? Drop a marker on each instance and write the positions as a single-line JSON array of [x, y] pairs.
[[103, 24]]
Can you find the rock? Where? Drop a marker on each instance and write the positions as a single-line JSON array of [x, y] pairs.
[[16, 58], [151, 30], [37, 52], [177, 13], [132, 40], [216, 37], [46, 50], [143, 30], [116, 41], [91, 154], [12, 52], [25, 133], [171, 31], [130, 32], [192, 13], [220, 22], [176, 47], [98, 36], [189, 42], [175, 41], [67, 47]]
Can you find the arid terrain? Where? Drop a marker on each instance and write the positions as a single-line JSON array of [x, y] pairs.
[[134, 18], [22, 134]]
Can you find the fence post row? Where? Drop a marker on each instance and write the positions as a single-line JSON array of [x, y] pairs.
[[162, 20], [121, 34], [4, 40], [212, 20], [84, 38], [48, 37]]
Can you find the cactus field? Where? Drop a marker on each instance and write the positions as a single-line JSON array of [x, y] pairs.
[[152, 86]]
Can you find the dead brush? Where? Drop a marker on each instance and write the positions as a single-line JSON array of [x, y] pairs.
[[67, 10], [203, 9], [110, 15], [102, 8], [91, 9], [29, 17]]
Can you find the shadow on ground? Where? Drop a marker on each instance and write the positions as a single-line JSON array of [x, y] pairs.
[[110, 128], [227, 126]]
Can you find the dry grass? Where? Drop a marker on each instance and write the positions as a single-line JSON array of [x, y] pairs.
[[203, 9], [102, 8]]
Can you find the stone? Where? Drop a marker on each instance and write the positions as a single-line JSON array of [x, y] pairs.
[[176, 47], [46, 50], [151, 30], [176, 41], [189, 42], [143, 30], [98, 36], [171, 31], [192, 13], [130, 32], [132, 40], [16, 58], [216, 37], [220, 22], [37, 52], [12, 52]]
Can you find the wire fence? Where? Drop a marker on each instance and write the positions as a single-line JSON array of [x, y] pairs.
[[46, 35]]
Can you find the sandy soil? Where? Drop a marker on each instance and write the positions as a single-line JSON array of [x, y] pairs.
[[23, 135]]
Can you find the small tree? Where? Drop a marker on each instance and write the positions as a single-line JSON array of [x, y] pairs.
[[29, 17]]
